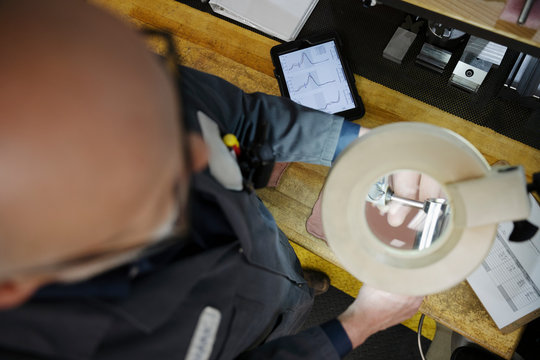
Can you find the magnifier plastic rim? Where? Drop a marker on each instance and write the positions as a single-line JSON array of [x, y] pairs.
[[438, 152]]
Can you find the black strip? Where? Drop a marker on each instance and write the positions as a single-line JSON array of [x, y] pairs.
[[507, 297]]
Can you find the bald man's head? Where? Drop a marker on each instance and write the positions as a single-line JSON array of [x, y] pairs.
[[89, 138]]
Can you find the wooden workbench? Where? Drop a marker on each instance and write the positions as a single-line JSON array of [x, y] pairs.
[[242, 57]]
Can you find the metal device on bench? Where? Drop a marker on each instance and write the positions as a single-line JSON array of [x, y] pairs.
[[436, 211]]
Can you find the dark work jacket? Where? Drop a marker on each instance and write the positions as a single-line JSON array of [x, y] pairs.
[[253, 279]]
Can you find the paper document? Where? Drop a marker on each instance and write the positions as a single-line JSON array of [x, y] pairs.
[[508, 281], [280, 18]]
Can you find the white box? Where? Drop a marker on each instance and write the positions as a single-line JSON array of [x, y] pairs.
[[280, 18]]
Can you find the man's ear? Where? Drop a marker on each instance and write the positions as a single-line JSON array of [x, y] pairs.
[[15, 292]]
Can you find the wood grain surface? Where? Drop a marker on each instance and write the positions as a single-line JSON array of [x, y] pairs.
[[242, 57], [483, 14]]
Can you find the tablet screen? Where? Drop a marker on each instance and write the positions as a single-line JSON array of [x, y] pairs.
[[315, 78]]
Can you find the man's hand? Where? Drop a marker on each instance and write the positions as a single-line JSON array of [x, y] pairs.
[[411, 185], [375, 310]]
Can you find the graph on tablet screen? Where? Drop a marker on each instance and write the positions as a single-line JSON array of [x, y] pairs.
[[315, 78]]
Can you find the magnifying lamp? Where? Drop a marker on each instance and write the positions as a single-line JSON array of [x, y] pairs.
[[463, 225]]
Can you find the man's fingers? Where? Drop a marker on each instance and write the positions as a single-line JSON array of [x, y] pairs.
[[397, 214], [429, 188], [405, 184], [374, 310], [387, 309]]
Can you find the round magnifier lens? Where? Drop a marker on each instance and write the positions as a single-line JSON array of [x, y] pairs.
[[407, 210]]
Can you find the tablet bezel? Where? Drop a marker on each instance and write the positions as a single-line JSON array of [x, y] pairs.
[[300, 44]]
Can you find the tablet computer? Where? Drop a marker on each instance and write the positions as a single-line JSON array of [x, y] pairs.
[[313, 73]]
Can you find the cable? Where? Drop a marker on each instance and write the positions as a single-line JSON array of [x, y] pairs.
[[420, 323]]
